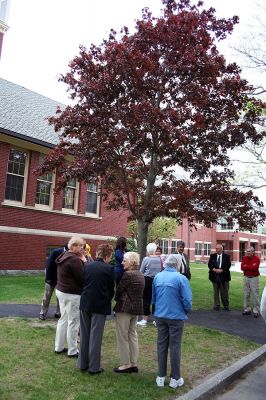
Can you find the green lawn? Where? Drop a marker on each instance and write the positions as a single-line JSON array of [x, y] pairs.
[[29, 369], [29, 289]]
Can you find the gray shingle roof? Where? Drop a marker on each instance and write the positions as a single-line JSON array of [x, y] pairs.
[[23, 112]]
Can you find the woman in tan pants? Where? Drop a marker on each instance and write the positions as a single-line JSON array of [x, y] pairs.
[[129, 305]]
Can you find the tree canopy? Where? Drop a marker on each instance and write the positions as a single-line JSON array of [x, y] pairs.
[[154, 114]]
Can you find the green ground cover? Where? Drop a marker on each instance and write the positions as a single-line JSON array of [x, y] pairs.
[[29, 369]]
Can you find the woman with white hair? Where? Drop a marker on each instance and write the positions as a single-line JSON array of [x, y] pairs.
[[129, 304], [172, 298], [150, 266]]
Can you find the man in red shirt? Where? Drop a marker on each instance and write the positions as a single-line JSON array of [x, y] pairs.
[[250, 266]]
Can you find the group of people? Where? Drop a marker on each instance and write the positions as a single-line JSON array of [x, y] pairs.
[[219, 274], [85, 288]]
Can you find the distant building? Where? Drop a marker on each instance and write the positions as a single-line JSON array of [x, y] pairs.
[[200, 242], [34, 220]]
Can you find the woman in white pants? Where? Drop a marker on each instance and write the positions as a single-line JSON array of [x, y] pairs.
[[68, 289]]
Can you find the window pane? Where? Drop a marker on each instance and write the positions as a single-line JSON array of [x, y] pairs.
[[16, 162], [14, 187], [43, 193], [69, 198], [91, 206], [92, 187]]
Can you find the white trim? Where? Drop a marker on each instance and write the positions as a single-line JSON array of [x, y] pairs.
[[19, 205], [254, 240], [42, 232], [241, 239]]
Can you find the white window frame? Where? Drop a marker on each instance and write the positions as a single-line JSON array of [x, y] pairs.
[[208, 248], [162, 243], [25, 177], [51, 198], [90, 214], [76, 196], [198, 243]]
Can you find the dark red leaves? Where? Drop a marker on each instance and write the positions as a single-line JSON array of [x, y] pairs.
[[155, 113]]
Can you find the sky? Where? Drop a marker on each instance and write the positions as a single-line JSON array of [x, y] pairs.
[[44, 35]]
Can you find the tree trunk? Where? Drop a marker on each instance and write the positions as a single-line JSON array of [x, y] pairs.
[[143, 227]]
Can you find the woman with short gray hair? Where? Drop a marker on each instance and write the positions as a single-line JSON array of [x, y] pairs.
[[150, 266], [172, 298]]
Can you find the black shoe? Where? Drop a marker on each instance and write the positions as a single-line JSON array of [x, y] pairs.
[[56, 315], [62, 351], [123, 371], [246, 313], [134, 369], [42, 317], [73, 355], [217, 308], [101, 370], [256, 315], [227, 309]]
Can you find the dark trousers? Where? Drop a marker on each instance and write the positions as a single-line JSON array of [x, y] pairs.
[[147, 296], [169, 336], [91, 334], [220, 291]]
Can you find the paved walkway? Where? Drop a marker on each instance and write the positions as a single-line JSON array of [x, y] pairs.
[[232, 322]]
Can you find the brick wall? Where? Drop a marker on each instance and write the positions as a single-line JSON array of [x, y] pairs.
[[27, 251]]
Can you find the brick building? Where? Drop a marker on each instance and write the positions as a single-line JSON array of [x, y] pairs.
[[201, 242], [33, 219]]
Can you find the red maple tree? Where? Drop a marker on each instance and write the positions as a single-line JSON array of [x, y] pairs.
[[154, 114]]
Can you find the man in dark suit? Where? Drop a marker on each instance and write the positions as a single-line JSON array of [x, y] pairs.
[[184, 270], [50, 283], [95, 305], [219, 274]]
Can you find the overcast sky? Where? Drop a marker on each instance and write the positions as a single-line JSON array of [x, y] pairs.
[[45, 35]]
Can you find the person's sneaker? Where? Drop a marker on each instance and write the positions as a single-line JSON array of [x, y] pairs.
[[42, 317], [143, 322], [256, 315], [246, 313], [154, 323], [160, 381], [174, 383], [57, 315]]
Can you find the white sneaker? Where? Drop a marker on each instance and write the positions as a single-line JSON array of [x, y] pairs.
[[154, 323], [174, 383], [143, 322], [160, 381]]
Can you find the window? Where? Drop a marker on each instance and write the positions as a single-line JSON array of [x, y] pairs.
[[173, 246], [207, 249], [15, 175], [44, 189], [198, 248], [50, 249], [164, 246], [92, 198], [69, 195], [226, 226]]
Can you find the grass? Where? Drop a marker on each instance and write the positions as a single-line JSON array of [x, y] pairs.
[[29, 289], [29, 369]]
